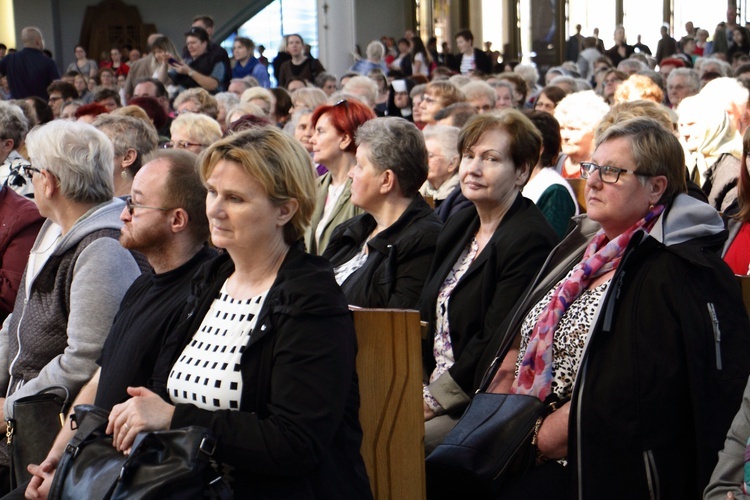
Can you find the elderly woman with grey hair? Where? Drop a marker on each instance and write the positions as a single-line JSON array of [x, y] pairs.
[[13, 128], [442, 162], [578, 115], [132, 139], [375, 52], [77, 271], [381, 258]]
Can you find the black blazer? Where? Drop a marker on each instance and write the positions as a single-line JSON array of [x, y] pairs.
[[490, 288], [482, 62], [398, 261]]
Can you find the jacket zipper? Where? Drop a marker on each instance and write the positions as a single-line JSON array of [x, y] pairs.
[[652, 474], [12, 383], [717, 332], [608, 306]]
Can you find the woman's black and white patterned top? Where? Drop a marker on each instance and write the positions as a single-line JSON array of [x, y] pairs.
[[570, 335], [207, 374], [351, 266]]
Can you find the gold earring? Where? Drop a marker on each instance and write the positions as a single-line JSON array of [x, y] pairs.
[[124, 174]]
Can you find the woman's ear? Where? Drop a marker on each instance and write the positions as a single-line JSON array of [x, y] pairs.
[[286, 211], [522, 175], [453, 165], [658, 184], [345, 142]]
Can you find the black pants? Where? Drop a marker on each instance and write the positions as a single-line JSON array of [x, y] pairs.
[[549, 480]]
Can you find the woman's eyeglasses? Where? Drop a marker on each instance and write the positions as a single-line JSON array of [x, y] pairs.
[[180, 145], [28, 171], [609, 175]]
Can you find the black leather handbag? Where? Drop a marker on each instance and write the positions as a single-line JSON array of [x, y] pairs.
[[36, 421], [490, 444], [162, 465]]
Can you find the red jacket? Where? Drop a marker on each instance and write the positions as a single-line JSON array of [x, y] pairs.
[[19, 224]]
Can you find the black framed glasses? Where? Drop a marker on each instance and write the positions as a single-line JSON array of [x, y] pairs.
[[342, 102], [28, 171], [609, 175], [132, 206]]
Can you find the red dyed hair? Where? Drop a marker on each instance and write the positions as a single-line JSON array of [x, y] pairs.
[[346, 116], [93, 109], [153, 109]]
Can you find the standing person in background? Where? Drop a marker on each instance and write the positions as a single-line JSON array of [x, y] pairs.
[[119, 66], [216, 50], [620, 50], [246, 64], [201, 68], [29, 71], [82, 65], [667, 45], [574, 46], [421, 60], [300, 65], [588, 56], [375, 52], [470, 60]]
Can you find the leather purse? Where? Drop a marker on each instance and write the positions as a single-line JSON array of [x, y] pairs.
[[36, 421], [490, 444], [161, 465]]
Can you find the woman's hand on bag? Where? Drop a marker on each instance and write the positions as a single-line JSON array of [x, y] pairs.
[[552, 440], [145, 411], [429, 413]]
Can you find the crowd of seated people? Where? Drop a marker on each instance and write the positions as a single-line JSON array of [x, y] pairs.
[[418, 180]]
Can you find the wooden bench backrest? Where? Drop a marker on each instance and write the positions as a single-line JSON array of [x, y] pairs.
[[389, 366], [578, 185]]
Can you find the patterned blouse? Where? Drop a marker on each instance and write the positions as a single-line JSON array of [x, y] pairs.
[[570, 336], [351, 266], [443, 348], [208, 374]]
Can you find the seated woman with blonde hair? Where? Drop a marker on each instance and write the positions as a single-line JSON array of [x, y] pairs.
[[285, 411], [194, 132]]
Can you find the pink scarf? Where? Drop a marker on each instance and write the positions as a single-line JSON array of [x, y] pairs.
[[535, 374]]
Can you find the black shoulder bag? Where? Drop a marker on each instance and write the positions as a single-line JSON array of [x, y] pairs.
[[490, 444], [30, 433], [162, 464]]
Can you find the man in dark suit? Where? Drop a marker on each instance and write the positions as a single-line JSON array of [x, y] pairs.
[[29, 70], [574, 46]]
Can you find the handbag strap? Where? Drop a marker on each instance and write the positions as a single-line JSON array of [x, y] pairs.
[[489, 374]]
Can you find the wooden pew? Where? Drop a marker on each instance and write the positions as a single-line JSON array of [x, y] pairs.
[[389, 365], [578, 185]]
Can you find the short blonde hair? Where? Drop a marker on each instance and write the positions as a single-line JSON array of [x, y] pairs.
[[278, 163], [199, 128], [258, 93], [207, 104], [245, 108], [638, 87]]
